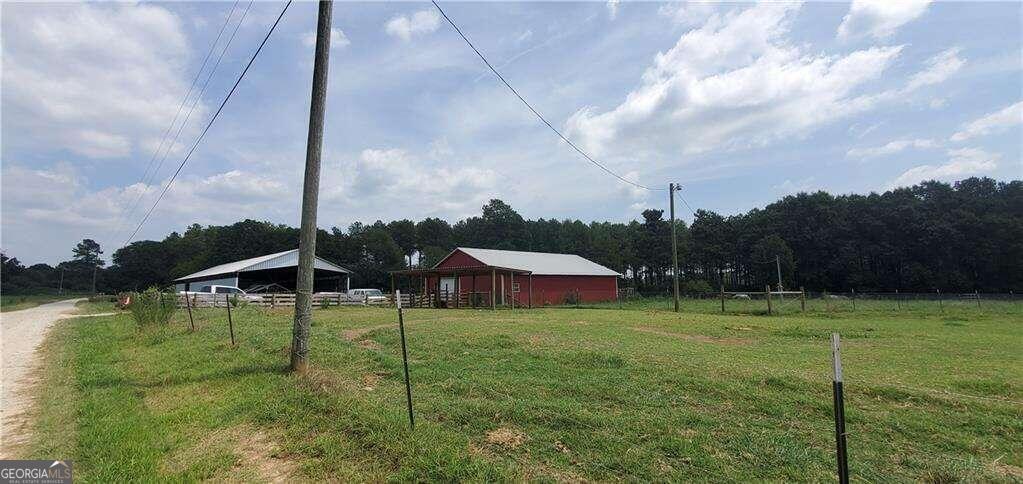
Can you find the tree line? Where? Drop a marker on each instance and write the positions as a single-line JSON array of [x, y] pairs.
[[964, 236]]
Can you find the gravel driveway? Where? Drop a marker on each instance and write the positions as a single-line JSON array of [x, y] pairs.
[[21, 333]]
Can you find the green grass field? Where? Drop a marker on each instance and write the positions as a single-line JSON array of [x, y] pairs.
[[539, 395]]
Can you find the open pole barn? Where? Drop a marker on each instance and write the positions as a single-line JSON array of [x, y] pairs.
[[274, 270], [470, 277]]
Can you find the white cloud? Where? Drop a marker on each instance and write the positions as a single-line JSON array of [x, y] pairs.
[[939, 68], [338, 39], [421, 22], [382, 178], [995, 122], [612, 8], [938, 103], [734, 82], [963, 162], [688, 13], [44, 210], [100, 80], [792, 187], [879, 18], [892, 148]]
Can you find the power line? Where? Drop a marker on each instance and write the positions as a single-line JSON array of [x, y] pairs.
[[210, 124], [195, 102], [535, 112]]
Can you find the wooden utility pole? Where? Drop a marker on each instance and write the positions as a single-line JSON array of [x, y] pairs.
[[674, 241], [94, 269], [310, 195], [777, 265]]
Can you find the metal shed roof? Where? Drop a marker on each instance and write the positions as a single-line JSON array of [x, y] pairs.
[[288, 258], [539, 263]]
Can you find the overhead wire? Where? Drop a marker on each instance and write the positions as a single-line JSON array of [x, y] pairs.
[[212, 120], [534, 111], [144, 179]]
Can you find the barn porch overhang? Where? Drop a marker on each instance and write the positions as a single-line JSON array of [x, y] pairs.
[[456, 273]]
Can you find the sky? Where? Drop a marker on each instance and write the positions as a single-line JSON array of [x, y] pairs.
[[740, 103]]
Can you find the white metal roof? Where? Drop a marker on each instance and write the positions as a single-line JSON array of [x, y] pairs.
[[288, 258], [539, 263]]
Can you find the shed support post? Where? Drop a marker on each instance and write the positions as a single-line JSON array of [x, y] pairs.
[[530, 290], [472, 295], [511, 276], [458, 291], [493, 289]]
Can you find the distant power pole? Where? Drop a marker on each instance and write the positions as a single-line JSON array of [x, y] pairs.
[[60, 285], [674, 241], [94, 269], [310, 195], [777, 266]]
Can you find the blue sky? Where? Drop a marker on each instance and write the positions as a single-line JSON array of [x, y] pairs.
[[741, 103]]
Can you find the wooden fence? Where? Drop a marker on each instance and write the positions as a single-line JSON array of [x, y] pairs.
[[200, 300]]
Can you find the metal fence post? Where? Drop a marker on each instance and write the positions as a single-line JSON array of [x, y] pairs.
[[977, 295], [839, 408], [767, 292], [230, 323], [404, 361], [802, 299], [188, 304]]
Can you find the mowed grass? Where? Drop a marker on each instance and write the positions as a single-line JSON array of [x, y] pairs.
[[544, 395]]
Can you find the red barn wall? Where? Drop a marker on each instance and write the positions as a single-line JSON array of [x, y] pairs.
[[550, 290]]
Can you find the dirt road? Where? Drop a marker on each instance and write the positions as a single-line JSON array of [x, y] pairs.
[[21, 333]]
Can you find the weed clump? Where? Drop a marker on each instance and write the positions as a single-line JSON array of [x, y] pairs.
[[153, 307]]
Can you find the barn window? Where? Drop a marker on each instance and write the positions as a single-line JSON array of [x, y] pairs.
[[515, 287]]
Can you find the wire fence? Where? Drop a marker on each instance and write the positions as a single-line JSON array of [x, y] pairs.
[[794, 302]]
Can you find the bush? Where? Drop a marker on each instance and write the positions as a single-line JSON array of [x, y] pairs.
[[573, 297], [696, 287], [153, 307]]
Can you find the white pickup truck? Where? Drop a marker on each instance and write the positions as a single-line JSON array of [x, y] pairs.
[[215, 289], [371, 296]]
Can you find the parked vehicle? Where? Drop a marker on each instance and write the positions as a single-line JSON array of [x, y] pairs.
[[372, 296], [217, 289]]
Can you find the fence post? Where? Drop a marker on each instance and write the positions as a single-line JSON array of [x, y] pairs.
[[230, 323], [977, 295], [722, 296], [188, 304], [802, 299], [898, 300], [941, 306], [839, 408], [767, 292], [404, 361]]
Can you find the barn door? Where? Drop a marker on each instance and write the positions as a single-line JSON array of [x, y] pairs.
[[447, 288]]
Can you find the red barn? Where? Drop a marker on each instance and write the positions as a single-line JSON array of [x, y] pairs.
[[468, 277]]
